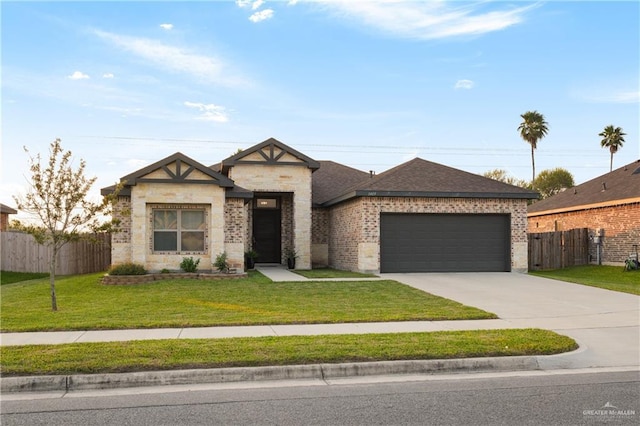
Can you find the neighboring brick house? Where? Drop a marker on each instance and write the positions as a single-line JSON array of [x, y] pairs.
[[608, 205], [419, 216], [5, 211]]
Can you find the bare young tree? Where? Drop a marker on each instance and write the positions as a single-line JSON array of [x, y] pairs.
[[57, 197]]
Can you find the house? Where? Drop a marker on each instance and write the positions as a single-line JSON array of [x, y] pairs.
[[609, 206], [5, 211], [418, 216]]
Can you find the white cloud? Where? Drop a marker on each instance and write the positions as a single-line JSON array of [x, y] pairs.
[[261, 16], [167, 27], [78, 75], [616, 98], [176, 59], [429, 20], [210, 112], [256, 4], [243, 3], [464, 84], [107, 75]]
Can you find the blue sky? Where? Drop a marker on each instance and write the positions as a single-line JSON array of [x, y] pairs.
[[370, 84]]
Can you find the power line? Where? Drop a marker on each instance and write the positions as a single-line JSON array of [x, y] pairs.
[[369, 148]]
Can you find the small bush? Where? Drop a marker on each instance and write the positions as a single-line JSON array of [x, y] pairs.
[[127, 269], [188, 264], [221, 262]]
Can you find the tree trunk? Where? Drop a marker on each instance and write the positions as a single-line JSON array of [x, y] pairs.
[[533, 165], [611, 163], [52, 279]]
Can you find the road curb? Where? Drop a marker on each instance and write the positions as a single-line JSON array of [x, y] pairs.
[[75, 382]]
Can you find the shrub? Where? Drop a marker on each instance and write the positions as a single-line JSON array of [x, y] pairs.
[[127, 269], [221, 262], [188, 264]]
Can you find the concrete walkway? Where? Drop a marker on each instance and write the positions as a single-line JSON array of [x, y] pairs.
[[606, 324]]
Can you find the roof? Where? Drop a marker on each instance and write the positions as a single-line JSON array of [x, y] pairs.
[[620, 186], [177, 168], [269, 152], [422, 178], [7, 210], [333, 179]]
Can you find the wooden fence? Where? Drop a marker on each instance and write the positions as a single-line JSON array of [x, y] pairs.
[[557, 250], [21, 253]]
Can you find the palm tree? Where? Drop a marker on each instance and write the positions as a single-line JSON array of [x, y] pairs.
[[532, 129], [612, 138]]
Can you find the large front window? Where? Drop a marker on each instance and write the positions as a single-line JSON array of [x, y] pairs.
[[178, 230]]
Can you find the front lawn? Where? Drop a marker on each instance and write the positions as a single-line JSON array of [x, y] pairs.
[[330, 273], [602, 276], [129, 356], [8, 277], [85, 304]]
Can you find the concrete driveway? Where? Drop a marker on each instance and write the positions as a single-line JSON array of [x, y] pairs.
[[605, 323]]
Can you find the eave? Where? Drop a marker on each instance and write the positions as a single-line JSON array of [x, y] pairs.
[[429, 194], [604, 204]]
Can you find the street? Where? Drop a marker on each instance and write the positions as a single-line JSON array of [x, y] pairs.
[[533, 398]]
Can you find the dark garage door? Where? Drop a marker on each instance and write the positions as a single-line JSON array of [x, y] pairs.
[[445, 243]]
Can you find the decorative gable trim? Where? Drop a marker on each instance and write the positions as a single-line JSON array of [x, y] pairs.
[[270, 152], [177, 168]]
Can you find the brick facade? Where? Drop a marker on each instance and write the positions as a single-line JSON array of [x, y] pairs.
[[320, 237], [354, 226], [620, 223]]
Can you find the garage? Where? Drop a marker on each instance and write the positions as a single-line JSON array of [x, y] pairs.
[[445, 242]]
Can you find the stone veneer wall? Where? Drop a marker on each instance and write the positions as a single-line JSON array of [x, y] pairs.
[[287, 179], [144, 195], [319, 237], [621, 225], [355, 226]]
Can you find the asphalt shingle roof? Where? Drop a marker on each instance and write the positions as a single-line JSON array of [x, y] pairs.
[[333, 179], [420, 177], [620, 184]]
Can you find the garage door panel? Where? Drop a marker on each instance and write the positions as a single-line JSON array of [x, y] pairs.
[[444, 242]]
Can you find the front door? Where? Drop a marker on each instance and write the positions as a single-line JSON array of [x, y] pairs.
[[266, 231]]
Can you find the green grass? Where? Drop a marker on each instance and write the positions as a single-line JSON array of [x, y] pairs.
[[8, 277], [214, 353], [602, 276], [85, 304], [331, 273]]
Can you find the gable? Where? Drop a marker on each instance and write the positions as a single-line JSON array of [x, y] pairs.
[[271, 152], [177, 168]]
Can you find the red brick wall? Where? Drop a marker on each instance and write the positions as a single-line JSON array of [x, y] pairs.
[[319, 226], [234, 225], [345, 231], [122, 212], [621, 225]]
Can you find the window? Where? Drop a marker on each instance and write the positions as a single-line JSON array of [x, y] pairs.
[[266, 203], [178, 230]]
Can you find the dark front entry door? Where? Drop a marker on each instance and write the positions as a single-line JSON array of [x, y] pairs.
[[266, 235]]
